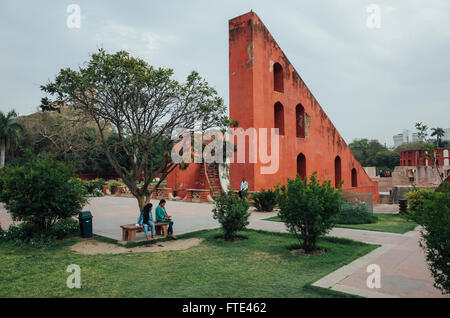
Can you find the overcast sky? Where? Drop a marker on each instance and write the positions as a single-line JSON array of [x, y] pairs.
[[372, 83]]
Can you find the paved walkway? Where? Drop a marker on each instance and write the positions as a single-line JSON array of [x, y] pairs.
[[386, 208], [404, 272], [109, 213]]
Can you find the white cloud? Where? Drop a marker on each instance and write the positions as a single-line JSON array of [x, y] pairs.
[[142, 42]]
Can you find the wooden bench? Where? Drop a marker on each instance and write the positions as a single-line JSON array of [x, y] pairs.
[[129, 231]]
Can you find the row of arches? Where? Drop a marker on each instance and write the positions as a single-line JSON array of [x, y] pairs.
[[300, 127], [300, 124], [301, 170]]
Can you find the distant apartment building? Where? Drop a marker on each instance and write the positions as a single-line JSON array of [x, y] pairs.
[[447, 134], [405, 137]]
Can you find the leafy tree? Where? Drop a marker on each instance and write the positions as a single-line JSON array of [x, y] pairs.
[[359, 147], [65, 137], [388, 159], [416, 199], [232, 213], [9, 128], [143, 105], [422, 131], [372, 153], [430, 150], [438, 133], [410, 146], [431, 209], [41, 192], [308, 208]]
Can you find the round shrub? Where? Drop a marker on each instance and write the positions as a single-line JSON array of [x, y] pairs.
[[114, 184], [264, 201], [416, 199], [355, 213], [65, 228], [94, 187], [41, 192], [232, 213], [27, 233], [309, 209]]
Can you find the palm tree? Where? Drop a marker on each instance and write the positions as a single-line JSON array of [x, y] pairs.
[[439, 133], [9, 126]]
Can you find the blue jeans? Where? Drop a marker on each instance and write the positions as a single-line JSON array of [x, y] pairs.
[[170, 229], [152, 227]]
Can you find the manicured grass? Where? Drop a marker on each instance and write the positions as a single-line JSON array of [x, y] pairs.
[[386, 223], [261, 266]]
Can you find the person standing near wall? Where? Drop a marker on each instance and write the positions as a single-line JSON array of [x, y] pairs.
[[244, 188]]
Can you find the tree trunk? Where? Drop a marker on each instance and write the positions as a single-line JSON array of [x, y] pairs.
[[2, 152], [141, 202]]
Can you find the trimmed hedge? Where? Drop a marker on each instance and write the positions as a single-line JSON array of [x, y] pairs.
[[355, 213], [264, 200]]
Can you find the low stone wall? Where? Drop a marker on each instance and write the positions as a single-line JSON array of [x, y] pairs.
[[198, 195], [161, 193], [384, 184]]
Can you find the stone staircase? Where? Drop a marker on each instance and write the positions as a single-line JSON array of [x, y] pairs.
[[212, 171]]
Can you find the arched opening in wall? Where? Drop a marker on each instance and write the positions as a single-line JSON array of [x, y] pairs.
[[337, 171], [279, 118], [278, 84], [301, 166], [300, 121], [354, 178]]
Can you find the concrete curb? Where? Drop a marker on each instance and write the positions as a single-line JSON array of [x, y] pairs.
[[331, 281]]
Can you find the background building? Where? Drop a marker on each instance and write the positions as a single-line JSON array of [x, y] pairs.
[[405, 137], [447, 134]]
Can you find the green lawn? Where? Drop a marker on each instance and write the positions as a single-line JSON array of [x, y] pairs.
[[261, 266], [386, 223]]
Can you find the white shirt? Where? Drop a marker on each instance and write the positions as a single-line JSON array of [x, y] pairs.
[[244, 185]]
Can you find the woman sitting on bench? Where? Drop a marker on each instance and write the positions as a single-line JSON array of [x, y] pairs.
[[146, 219], [162, 217]]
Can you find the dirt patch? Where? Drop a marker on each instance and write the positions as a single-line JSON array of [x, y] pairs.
[[302, 252], [93, 247], [235, 239]]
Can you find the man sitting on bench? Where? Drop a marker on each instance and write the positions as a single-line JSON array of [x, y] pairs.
[[146, 219], [162, 217]]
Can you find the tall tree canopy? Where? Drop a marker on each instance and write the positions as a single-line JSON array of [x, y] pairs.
[[144, 105], [438, 133], [9, 128], [373, 154], [64, 137]]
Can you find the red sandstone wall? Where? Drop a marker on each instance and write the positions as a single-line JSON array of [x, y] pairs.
[[410, 158], [252, 53], [190, 178]]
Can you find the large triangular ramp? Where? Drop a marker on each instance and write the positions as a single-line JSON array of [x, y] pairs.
[[267, 92]]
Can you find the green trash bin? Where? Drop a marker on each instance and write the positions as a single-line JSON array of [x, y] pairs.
[[85, 219]]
